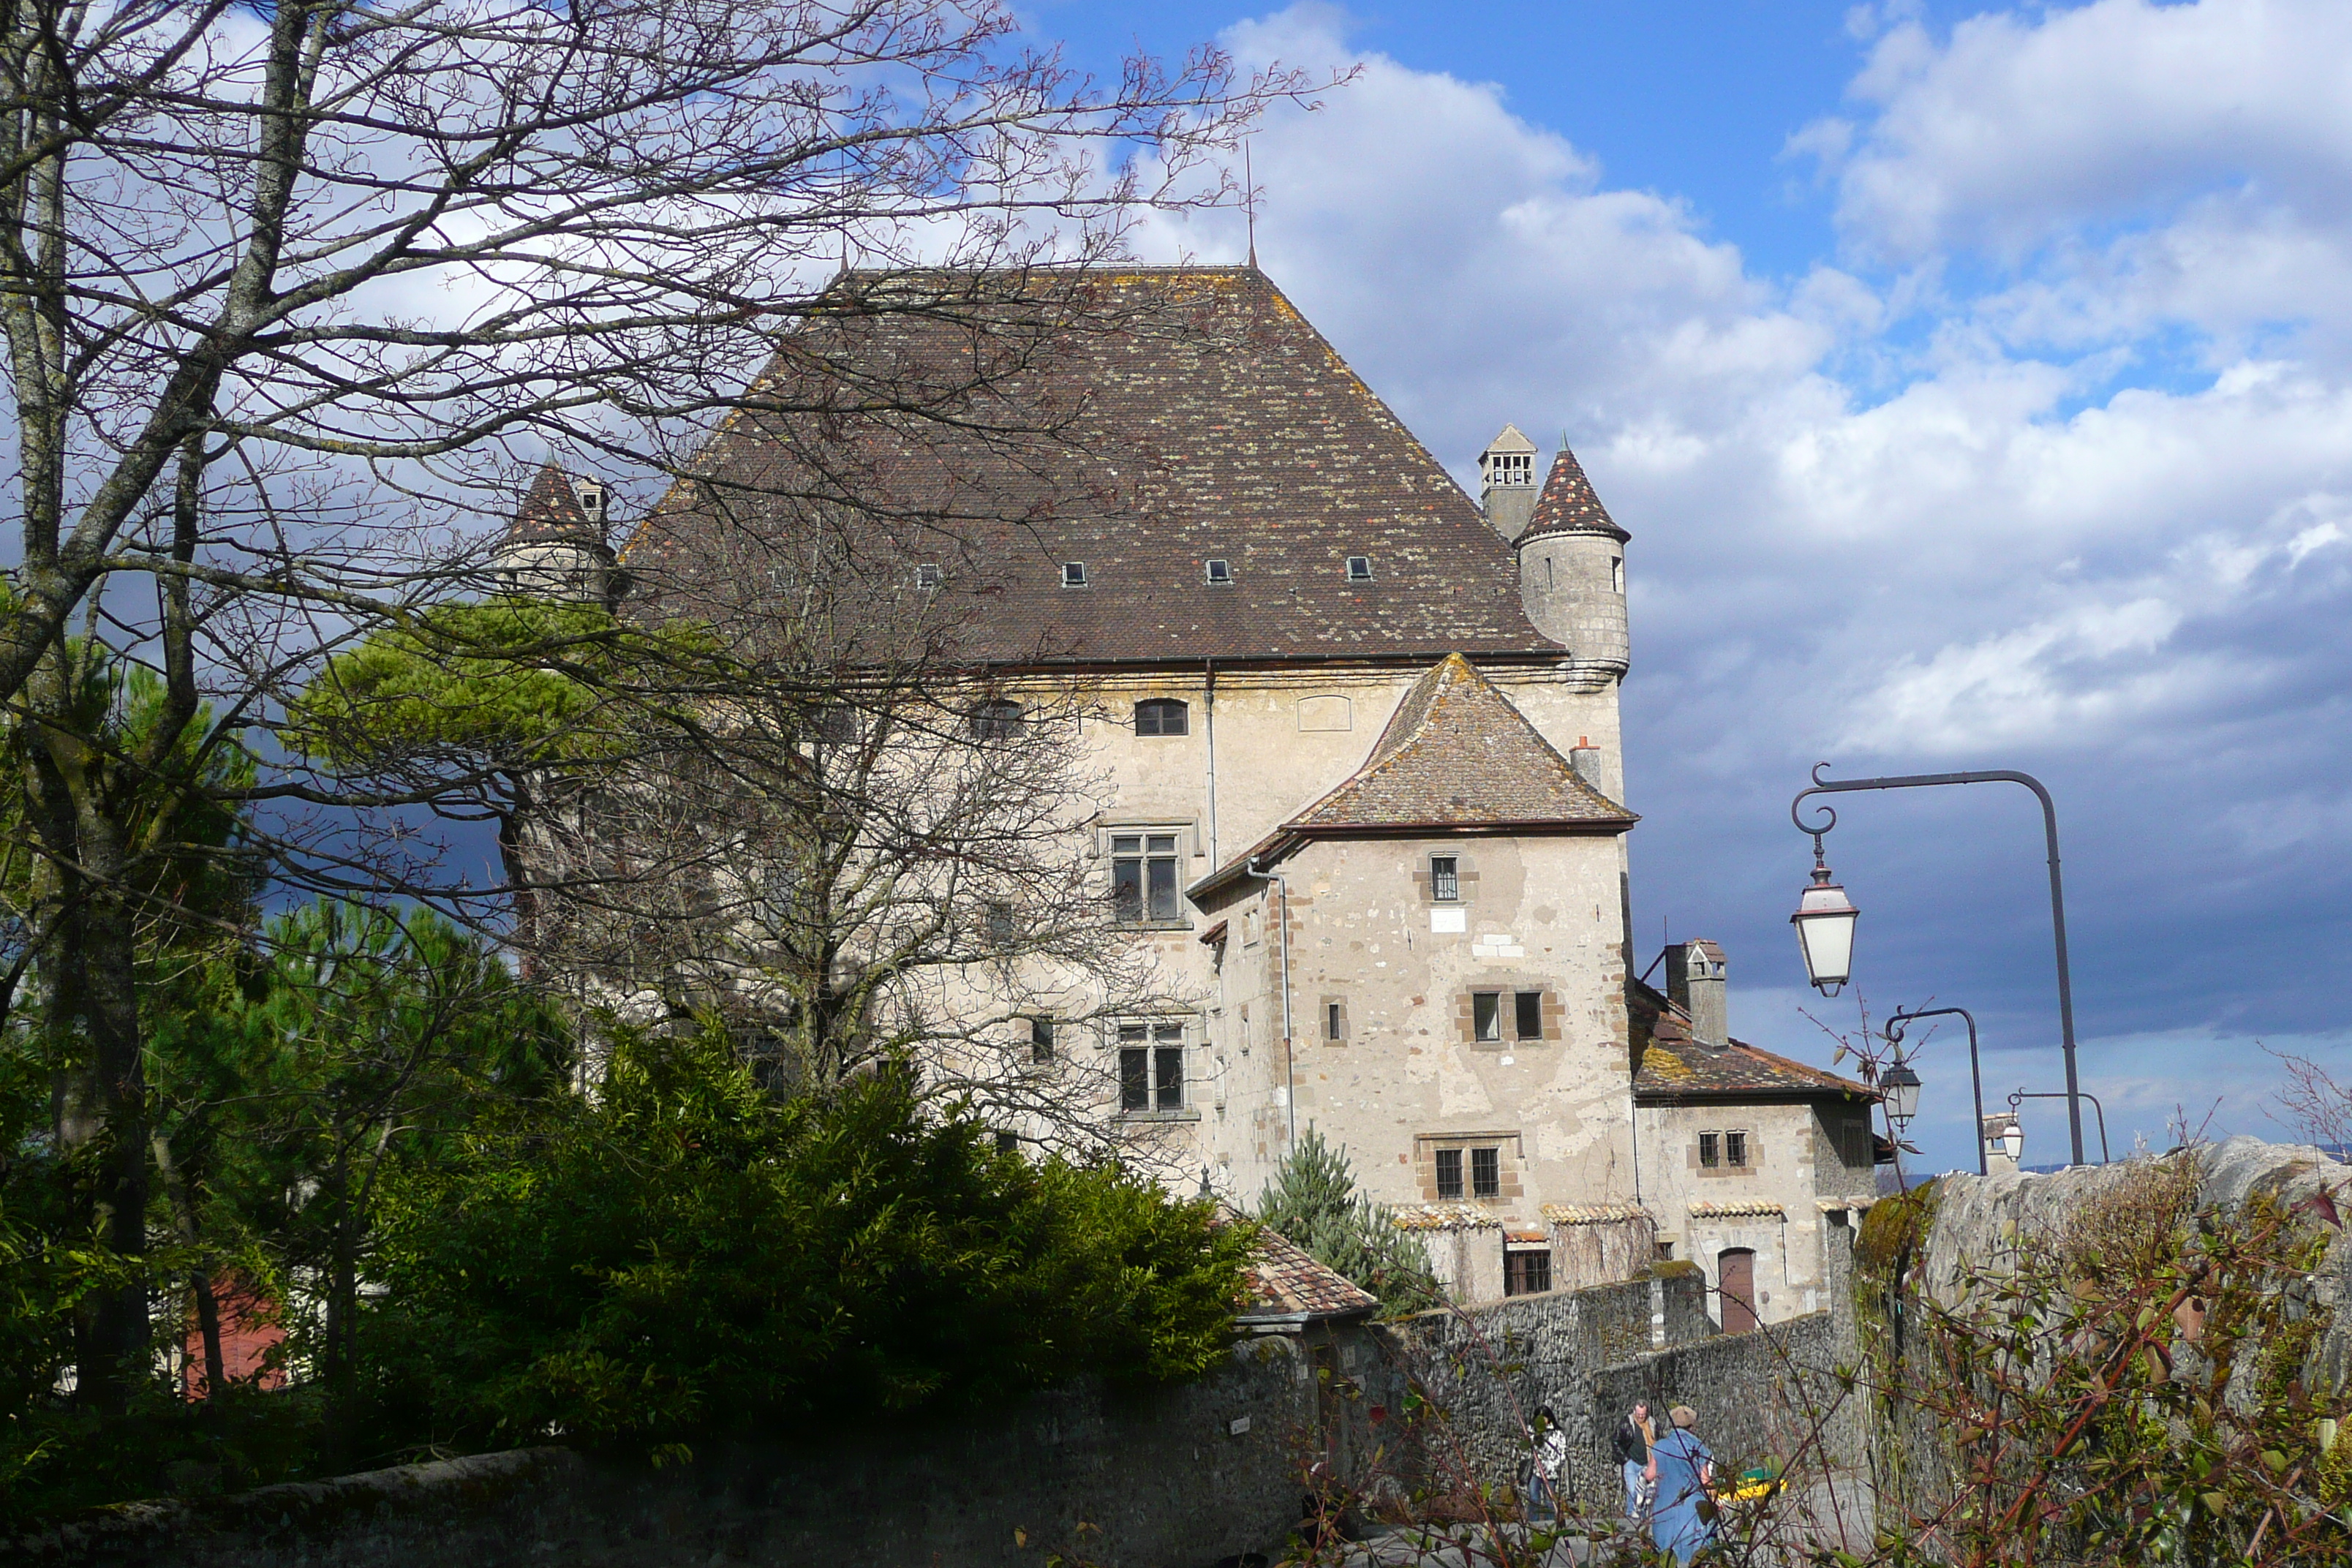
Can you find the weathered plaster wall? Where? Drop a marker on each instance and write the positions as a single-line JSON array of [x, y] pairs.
[[1795, 1164], [1407, 1076]]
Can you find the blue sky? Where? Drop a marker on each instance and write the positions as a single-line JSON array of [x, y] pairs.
[[1977, 385]]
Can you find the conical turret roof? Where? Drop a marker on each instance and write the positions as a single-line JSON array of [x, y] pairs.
[[1567, 504], [550, 509]]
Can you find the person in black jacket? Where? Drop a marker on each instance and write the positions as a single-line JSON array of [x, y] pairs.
[[1634, 1436]]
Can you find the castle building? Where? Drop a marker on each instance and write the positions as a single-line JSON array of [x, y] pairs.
[[1362, 793]]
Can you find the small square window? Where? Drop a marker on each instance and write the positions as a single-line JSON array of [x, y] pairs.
[[1528, 1008], [1445, 879], [928, 575], [1041, 1039], [1360, 568], [1487, 1014], [1527, 1271], [1162, 716], [1735, 1150], [1008, 1142], [1449, 1173], [1074, 574], [1216, 569], [1486, 1173], [1666, 1251], [1335, 1022], [1710, 1149]]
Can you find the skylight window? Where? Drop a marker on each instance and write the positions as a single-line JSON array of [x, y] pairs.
[[1216, 570], [1360, 568], [1074, 574]]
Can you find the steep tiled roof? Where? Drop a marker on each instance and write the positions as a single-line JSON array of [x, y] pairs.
[[1456, 754], [1669, 1064], [1285, 1281], [1569, 505], [550, 509], [1190, 414]]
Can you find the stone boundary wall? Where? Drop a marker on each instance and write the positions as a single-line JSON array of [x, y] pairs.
[[1488, 1368], [1761, 1398], [1159, 1479]]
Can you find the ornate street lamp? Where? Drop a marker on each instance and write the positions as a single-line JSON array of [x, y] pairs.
[[1900, 1086], [1893, 1036], [1824, 922], [1831, 979]]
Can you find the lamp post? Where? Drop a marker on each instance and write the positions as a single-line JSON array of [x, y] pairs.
[[1831, 980], [1900, 1088], [1894, 1032]]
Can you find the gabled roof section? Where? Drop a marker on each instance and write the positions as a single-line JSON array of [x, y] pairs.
[[1140, 421], [1456, 755], [1569, 505], [1669, 1066], [1510, 440], [1288, 1285], [550, 509]]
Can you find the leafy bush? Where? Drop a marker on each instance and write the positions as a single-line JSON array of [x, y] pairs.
[[685, 1254], [1312, 1200]]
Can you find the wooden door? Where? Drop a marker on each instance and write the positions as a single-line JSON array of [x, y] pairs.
[[1736, 1277]]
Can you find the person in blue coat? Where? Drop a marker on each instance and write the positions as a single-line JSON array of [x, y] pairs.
[[1682, 1520]]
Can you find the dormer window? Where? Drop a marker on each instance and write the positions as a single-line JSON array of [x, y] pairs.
[[1074, 574], [591, 501], [1216, 571], [929, 576], [1360, 568]]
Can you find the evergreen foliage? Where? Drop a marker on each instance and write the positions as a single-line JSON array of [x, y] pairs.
[[688, 1253], [1312, 1201]]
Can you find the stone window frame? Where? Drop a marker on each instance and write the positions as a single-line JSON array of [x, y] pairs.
[[1115, 1041], [1526, 1255], [1752, 1151], [1511, 1159], [1187, 847], [1331, 1020], [1551, 1010], [1465, 880]]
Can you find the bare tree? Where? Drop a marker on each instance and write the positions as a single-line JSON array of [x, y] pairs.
[[294, 293]]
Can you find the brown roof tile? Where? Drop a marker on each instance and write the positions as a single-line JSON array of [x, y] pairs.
[[1285, 1280], [1455, 754], [1569, 505], [550, 509], [1669, 1064], [1191, 413]]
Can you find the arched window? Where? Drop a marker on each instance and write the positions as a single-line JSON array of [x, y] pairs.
[[996, 720], [1162, 716]]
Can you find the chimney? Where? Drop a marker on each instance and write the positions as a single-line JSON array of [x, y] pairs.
[[1695, 980], [1586, 760], [1506, 475]]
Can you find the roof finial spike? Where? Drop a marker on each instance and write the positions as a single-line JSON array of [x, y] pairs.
[[1249, 202]]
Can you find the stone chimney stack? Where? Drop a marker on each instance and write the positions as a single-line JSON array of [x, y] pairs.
[[1695, 980], [1506, 475]]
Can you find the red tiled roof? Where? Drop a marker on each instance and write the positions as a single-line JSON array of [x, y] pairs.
[[1569, 505], [1285, 1281], [1455, 754], [1138, 422]]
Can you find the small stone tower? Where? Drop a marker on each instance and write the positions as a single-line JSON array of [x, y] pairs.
[[1506, 482], [1572, 572], [555, 548]]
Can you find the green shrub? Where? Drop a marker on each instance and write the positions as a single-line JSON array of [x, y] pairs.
[[687, 1255]]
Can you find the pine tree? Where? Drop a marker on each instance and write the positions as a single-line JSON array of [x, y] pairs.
[[1312, 1202]]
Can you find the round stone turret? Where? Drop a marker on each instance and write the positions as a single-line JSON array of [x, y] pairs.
[[556, 546], [1572, 572]]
